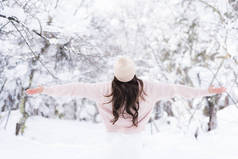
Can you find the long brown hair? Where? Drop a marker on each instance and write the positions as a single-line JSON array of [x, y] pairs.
[[125, 95]]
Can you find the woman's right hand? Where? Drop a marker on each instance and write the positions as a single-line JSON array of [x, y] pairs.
[[35, 90], [220, 90]]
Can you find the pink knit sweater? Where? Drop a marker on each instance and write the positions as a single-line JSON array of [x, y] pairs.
[[95, 91]]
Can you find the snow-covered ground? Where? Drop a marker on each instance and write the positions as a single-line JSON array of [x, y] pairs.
[[54, 138]]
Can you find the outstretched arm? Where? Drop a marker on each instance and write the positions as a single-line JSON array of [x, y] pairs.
[[92, 91], [164, 91]]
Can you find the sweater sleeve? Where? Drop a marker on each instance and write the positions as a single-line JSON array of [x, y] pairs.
[[93, 91], [160, 90]]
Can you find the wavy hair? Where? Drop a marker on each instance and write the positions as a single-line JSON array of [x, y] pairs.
[[125, 97]]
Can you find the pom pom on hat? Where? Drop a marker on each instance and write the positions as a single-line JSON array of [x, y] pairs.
[[124, 69]]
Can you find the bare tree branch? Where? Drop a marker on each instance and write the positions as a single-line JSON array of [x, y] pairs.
[[36, 56], [214, 9], [15, 19]]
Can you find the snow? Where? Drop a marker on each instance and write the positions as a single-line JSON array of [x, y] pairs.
[[55, 138]]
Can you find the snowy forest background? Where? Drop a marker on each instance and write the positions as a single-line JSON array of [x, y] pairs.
[[190, 42]]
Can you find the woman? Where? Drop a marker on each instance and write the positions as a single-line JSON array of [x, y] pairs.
[[125, 104]]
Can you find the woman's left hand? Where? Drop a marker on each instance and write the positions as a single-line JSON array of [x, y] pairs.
[[220, 90], [35, 90]]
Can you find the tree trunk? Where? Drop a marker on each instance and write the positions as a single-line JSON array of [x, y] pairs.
[[212, 124]]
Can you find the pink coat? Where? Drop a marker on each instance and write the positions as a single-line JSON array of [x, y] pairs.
[[95, 91]]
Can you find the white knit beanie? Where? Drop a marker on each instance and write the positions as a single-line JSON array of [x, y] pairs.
[[124, 69]]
